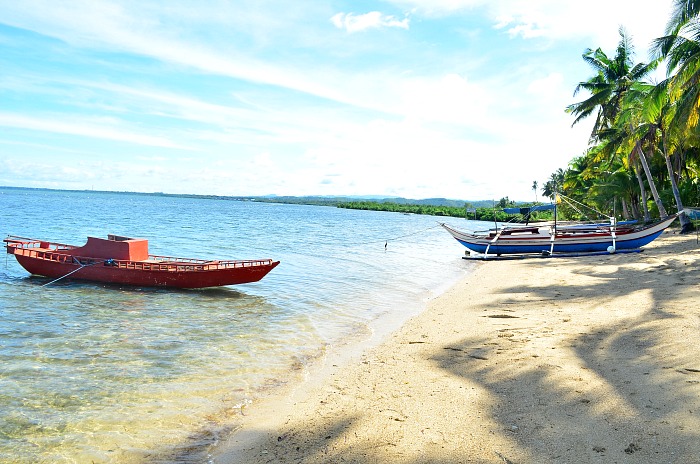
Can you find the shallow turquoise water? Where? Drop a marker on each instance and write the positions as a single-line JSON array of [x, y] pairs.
[[92, 372]]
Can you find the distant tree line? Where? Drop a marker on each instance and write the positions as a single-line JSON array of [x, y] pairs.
[[482, 210], [494, 213]]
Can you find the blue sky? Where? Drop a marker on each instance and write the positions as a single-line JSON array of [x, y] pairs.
[[461, 99]]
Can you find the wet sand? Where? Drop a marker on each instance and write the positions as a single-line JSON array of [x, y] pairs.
[[563, 360]]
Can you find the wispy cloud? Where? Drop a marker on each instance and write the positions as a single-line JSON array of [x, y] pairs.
[[114, 27], [104, 130], [559, 20], [372, 20], [305, 100]]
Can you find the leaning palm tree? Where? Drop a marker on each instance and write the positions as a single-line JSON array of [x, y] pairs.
[[660, 113], [604, 177], [613, 78], [680, 47], [608, 87], [641, 114], [619, 146]]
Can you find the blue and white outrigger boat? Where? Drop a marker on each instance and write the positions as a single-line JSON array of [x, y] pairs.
[[549, 239]]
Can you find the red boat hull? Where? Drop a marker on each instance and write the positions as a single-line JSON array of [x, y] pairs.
[[65, 261], [148, 278]]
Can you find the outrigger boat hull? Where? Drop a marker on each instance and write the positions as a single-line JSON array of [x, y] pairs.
[[542, 240], [125, 261]]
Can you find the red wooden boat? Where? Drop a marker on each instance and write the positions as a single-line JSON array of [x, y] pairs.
[[123, 260]]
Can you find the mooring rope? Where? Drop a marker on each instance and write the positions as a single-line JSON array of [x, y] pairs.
[[416, 233], [570, 202], [75, 270], [386, 241]]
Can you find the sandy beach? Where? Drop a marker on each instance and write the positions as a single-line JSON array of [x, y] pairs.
[[566, 360]]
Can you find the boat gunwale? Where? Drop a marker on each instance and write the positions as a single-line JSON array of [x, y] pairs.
[[60, 253], [508, 244]]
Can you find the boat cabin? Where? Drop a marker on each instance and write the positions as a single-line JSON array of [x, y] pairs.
[[114, 247]]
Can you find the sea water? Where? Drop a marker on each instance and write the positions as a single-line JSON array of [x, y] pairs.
[[103, 373]]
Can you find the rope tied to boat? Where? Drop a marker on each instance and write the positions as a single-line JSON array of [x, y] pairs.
[[386, 241], [76, 260]]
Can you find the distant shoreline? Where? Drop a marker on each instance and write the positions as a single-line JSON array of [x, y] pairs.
[[313, 200]]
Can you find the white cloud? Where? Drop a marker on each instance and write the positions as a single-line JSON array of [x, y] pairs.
[[598, 20], [439, 8], [545, 86], [556, 20], [114, 27], [372, 20], [413, 117], [449, 98], [102, 129], [263, 161]]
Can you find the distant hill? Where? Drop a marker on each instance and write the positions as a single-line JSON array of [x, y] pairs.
[[334, 200], [324, 200]]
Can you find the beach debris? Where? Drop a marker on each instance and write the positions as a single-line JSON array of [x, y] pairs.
[[505, 459], [599, 449], [632, 448], [475, 356]]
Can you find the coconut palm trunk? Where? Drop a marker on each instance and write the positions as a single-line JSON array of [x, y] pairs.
[[686, 224], [650, 181], [642, 192]]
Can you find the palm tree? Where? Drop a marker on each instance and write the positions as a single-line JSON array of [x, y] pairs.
[[554, 184], [641, 127], [641, 114], [619, 146], [608, 87], [681, 48], [610, 83], [579, 177], [660, 112], [534, 188]]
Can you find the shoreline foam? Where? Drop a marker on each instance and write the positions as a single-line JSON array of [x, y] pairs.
[[591, 359]]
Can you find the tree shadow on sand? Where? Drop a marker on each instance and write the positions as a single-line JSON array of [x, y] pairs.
[[632, 393], [574, 391]]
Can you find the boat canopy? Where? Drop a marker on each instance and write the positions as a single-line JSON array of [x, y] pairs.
[[114, 247], [692, 213], [525, 210]]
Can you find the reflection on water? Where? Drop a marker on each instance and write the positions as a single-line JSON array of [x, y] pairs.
[[104, 373]]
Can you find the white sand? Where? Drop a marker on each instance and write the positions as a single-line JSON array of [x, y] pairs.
[[566, 360]]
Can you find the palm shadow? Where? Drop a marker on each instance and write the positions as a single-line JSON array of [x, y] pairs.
[[620, 400], [630, 395]]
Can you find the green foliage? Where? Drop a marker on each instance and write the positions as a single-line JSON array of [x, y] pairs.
[[505, 203], [480, 214], [644, 150], [405, 208]]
